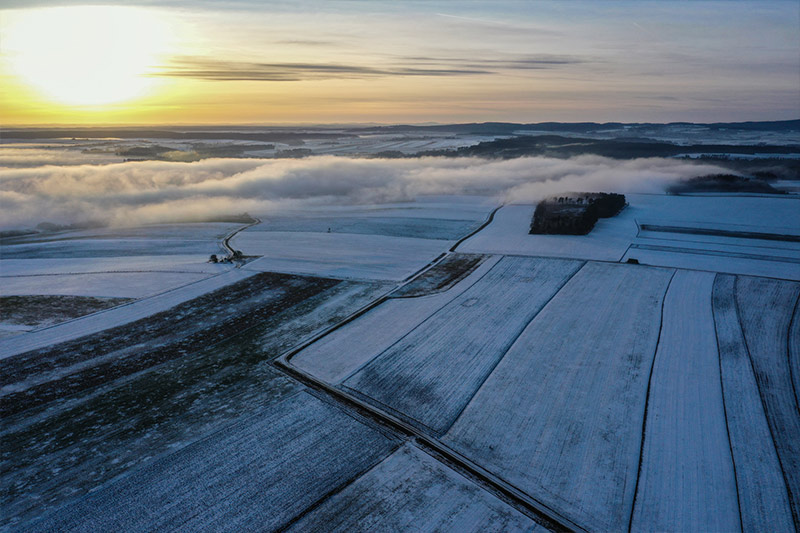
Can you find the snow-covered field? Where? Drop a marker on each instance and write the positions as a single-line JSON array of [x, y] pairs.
[[561, 416], [338, 255], [135, 262], [201, 489], [336, 356], [686, 480], [93, 437], [508, 234], [401, 226], [763, 496], [765, 311], [117, 316], [190, 264], [658, 396], [101, 284], [380, 242], [377, 501], [431, 373], [751, 243]]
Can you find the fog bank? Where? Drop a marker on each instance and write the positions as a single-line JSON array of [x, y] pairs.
[[154, 191]]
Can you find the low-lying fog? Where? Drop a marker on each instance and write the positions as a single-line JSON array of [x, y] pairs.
[[156, 191]]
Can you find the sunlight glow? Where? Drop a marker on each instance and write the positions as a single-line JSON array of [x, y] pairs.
[[86, 55]]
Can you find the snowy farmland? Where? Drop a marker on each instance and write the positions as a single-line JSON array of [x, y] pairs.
[[355, 373], [712, 233]]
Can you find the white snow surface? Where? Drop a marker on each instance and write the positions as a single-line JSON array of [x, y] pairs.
[[258, 473], [616, 239], [193, 264], [561, 416], [434, 206], [508, 234], [686, 479], [713, 262], [432, 373], [100, 285], [338, 255]]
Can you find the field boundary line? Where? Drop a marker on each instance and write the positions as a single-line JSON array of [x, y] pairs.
[[339, 488], [488, 480], [286, 356], [488, 221], [511, 345], [409, 332], [647, 399]]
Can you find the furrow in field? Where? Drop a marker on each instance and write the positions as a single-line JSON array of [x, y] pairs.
[[256, 474], [763, 499], [686, 479], [561, 416], [412, 491], [430, 375], [765, 310]]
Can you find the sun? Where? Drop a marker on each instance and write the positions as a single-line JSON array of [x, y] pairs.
[[85, 55]]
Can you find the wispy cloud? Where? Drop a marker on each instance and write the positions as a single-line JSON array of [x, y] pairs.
[[216, 70], [228, 70], [521, 62]]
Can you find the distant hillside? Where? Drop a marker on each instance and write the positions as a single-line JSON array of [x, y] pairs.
[[557, 146], [284, 134], [509, 128]]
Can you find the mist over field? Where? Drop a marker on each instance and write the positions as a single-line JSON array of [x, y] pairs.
[[156, 191]]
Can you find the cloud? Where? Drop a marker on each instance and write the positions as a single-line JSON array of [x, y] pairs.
[[156, 191], [209, 69], [217, 70]]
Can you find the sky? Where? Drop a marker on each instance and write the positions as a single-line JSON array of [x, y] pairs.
[[356, 62]]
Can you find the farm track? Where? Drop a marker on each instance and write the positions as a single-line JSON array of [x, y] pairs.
[[226, 242], [477, 230]]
